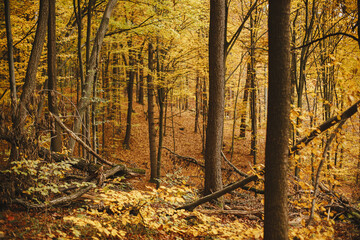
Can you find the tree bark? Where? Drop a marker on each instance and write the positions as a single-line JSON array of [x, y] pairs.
[[277, 137], [130, 91], [10, 58], [152, 132], [253, 94], [56, 143], [214, 130], [245, 103]]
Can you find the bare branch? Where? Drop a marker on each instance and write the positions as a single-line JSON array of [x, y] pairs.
[[327, 36], [73, 135]]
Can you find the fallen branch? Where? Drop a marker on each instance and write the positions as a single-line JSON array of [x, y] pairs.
[[219, 193], [324, 126], [233, 166], [187, 159], [76, 138], [58, 201], [251, 214]]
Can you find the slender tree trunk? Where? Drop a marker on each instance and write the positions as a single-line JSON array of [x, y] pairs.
[[277, 137], [89, 81], [152, 132], [235, 117], [141, 80], [130, 93], [56, 143], [214, 130], [30, 77], [105, 95], [87, 57], [77, 12], [253, 98], [161, 100], [93, 119], [161, 96], [245, 102], [197, 104], [10, 59]]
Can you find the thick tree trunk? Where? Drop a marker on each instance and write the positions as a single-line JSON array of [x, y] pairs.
[[277, 137], [214, 130], [56, 142]]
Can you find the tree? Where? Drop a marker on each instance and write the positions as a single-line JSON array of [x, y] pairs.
[[277, 136], [10, 58], [214, 130], [130, 90], [90, 75], [151, 121], [30, 80], [56, 144]]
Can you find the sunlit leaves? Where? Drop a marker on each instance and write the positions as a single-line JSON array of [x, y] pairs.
[[154, 210]]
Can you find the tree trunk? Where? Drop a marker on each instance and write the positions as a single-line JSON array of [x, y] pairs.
[[245, 103], [130, 93], [152, 132], [10, 59], [214, 130], [253, 151], [277, 137], [197, 103], [141, 80], [90, 75], [56, 143], [30, 80], [30, 77], [161, 99]]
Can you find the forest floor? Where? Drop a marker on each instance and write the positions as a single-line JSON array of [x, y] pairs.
[[241, 219]]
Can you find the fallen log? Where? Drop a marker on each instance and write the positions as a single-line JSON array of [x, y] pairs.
[[219, 193]]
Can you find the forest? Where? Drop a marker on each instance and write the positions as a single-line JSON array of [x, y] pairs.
[[180, 119]]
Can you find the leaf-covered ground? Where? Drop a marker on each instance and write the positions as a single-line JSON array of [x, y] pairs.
[[134, 209], [112, 213]]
